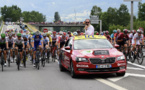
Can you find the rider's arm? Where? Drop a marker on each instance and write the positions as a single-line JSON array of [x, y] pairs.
[[23, 43], [41, 42], [32, 42], [7, 44]]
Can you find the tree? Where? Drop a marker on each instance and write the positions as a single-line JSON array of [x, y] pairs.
[[112, 17], [13, 12], [56, 17], [33, 16], [96, 11], [123, 14], [141, 12]]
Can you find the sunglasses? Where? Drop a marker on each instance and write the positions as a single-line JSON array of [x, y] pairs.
[[87, 22]]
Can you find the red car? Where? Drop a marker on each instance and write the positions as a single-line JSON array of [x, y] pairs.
[[91, 55]]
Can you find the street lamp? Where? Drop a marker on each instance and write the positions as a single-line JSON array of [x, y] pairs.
[[131, 20]]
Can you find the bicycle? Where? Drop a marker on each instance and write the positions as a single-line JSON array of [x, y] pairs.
[[24, 57], [43, 58], [9, 58], [37, 58], [54, 53], [138, 54], [48, 55], [2, 59], [18, 60]]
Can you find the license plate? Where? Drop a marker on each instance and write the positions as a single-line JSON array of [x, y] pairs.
[[103, 66]]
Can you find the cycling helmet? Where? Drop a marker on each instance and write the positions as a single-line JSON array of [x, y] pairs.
[[10, 35], [19, 34], [106, 32], [3, 35], [139, 31], [125, 31], [24, 36], [60, 32], [118, 31], [13, 33], [37, 33], [48, 34], [44, 35], [97, 33], [75, 33], [133, 31], [114, 31], [64, 34], [69, 32], [54, 32], [32, 33]]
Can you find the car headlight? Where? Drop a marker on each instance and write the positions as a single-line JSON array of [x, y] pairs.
[[121, 58], [79, 59]]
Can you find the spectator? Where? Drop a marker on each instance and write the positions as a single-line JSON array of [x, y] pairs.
[[89, 29]]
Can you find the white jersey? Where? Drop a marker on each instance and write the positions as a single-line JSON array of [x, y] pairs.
[[137, 38], [54, 38]]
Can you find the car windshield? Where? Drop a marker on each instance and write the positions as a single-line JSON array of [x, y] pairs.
[[92, 44]]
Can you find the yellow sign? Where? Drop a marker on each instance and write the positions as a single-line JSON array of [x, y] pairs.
[[90, 37]]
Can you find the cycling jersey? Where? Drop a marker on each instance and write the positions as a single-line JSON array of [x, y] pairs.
[[3, 43], [108, 37], [62, 40], [54, 38], [10, 41], [45, 40], [19, 41], [37, 41], [137, 38]]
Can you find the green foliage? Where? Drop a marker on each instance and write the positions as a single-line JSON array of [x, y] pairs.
[[141, 12], [13, 12], [56, 17], [33, 16], [124, 17]]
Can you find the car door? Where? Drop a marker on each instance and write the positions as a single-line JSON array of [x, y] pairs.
[[68, 53]]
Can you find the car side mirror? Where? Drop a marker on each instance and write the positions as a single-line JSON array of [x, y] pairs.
[[67, 48], [116, 45]]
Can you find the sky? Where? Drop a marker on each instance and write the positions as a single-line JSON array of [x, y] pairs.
[[67, 9]]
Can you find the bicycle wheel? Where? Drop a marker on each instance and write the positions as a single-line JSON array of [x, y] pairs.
[[2, 61], [24, 59], [48, 55], [37, 60], [140, 59], [9, 60], [133, 57], [18, 61]]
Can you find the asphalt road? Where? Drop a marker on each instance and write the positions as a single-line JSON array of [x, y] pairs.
[[50, 78]]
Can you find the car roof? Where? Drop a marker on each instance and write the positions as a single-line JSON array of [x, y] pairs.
[[89, 37]]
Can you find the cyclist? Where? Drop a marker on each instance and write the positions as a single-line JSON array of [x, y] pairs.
[[136, 39], [112, 35], [107, 36], [26, 43], [69, 34], [4, 45], [50, 39], [45, 43], [131, 35], [123, 39], [37, 41], [116, 35], [19, 45], [10, 40]]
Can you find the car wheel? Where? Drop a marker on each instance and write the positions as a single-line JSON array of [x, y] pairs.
[[120, 74], [73, 75]]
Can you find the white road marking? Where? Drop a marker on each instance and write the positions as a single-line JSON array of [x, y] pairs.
[[114, 79], [117, 87], [134, 68], [136, 65]]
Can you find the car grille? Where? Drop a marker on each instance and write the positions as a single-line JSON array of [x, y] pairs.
[[102, 69], [101, 61]]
